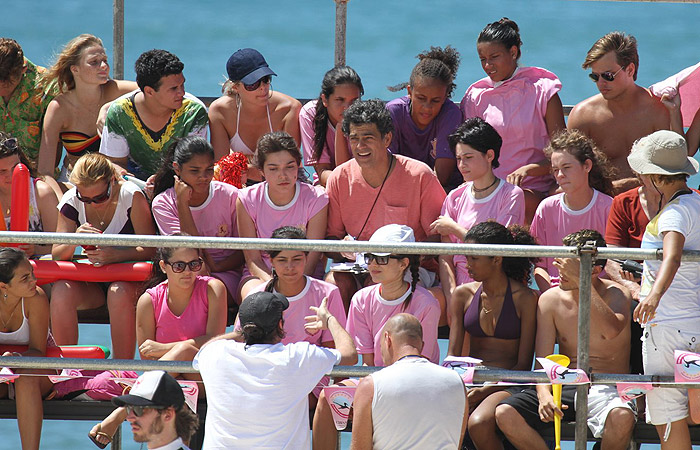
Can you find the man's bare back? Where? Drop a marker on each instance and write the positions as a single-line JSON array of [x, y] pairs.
[[614, 124], [557, 315]]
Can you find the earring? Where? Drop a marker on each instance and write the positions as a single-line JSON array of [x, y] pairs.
[[4, 294]]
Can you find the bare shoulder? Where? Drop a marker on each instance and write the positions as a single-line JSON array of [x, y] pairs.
[[284, 103], [652, 106], [586, 110], [223, 106], [551, 299], [215, 286], [43, 190], [615, 293], [38, 303], [114, 89], [522, 295]]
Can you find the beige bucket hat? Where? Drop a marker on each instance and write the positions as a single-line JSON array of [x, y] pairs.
[[662, 153]]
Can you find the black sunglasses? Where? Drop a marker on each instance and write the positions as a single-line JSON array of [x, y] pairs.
[[98, 198], [139, 410], [179, 266], [252, 87], [607, 76], [381, 260], [10, 144]]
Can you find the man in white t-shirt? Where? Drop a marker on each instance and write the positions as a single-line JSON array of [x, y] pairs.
[[386, 403], [258, 390]]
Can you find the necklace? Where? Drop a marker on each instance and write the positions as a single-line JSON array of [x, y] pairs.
[[102, 216], [476, 189], [5, 324]]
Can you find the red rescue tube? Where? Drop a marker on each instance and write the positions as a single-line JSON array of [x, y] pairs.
[[71, 270], [19, 215], [70, 351]]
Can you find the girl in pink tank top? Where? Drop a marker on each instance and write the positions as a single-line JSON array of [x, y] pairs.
[[175, 317]]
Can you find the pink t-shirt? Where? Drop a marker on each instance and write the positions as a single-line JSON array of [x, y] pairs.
[[554, 220], [312, 295], [215, 217], [505, 205], [369, 312], [412, 195], [306, 124], [516, 109], [191, 323]]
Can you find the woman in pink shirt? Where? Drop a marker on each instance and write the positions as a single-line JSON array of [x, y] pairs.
[[319, 118], [282, 199], [585, 177], [522, 104], [482, 197], [174, 318], [187, 200]]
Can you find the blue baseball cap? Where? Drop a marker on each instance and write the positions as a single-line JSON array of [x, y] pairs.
[[247, 65]]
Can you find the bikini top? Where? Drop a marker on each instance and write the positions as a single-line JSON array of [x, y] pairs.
[[78, 144], [236, 143], [18, 337], [508, 324]]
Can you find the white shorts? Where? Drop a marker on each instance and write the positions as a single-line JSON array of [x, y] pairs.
[[659, 341], [601, 400]]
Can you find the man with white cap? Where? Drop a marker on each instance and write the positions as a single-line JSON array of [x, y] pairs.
[[669, 308], [258, 390], [157, 413]]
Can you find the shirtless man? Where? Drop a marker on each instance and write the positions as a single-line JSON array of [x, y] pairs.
[[522, 415], [623, 111]]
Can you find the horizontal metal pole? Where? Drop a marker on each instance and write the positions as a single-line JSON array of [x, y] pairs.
[[422, 248], [481, 374]]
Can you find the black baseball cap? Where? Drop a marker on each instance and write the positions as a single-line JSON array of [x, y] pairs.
[[153, 388], [263, 309], [247, 65]]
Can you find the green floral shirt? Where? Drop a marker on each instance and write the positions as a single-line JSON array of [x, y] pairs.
[[22, 116]]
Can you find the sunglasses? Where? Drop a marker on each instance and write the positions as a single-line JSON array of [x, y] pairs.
[[252, 87], [139, 410], [381, 260], [179, 266], [98, 198], [607, 76], [10, 144]]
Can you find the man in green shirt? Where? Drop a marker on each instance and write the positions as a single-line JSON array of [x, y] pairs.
[[24, 100]]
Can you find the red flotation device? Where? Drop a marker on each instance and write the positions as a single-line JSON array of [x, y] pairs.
[[66, 351], [47, 271], [19, 210]]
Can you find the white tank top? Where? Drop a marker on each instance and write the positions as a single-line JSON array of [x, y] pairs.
[[236, 143], [18, 337], [408, 392]]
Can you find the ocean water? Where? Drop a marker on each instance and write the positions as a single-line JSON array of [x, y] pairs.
[[383, 37]]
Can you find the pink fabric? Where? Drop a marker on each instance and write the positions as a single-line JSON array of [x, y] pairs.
[[306, 124], [311, 295], [369, 312], [687, 83], [554, 220], [193, 320], [516, 109], [99, 385], [505, 205], [412, 195], [215, 217]]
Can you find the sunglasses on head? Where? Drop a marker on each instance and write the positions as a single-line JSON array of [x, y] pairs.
[[179, 266], [252, 87], [381, 260], [10, 144], [98, 198], [139, 410], [607, 76]]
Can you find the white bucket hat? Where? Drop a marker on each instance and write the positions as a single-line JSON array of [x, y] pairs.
[[662, 153], [392, 234]]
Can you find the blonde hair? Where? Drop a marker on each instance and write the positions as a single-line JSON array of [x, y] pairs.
[[91, 169], [69, 56], [624, 46]]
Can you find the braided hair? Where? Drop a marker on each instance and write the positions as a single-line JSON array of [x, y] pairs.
[[439, 64], [285, 232], [413, 266]]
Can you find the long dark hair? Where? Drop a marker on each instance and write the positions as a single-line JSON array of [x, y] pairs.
[[286, 232], [334, 77], [413, 266], [491, 232], [17, 150], [181, 151], [9, 260]]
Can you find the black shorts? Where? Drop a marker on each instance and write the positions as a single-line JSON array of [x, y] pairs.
[[527, 404]]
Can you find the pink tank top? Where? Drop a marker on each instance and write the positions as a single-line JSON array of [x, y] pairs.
[[193, 320]]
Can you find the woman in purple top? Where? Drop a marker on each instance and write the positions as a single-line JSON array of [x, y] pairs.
[[99, 203], [426, 116], [493, 319]]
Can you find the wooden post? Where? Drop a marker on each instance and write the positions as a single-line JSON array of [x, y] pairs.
[[118, 40], [341, 17]]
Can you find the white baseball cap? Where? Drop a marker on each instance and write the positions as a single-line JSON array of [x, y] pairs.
[[392, 234]]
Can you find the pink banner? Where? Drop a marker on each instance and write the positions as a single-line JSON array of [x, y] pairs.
[[559, 374], [630, 391], [340, 400], [687, 368], [191, 391], [7, 375], [687, 84]]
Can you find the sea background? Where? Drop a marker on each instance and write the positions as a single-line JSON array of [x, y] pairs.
[[383, 38]]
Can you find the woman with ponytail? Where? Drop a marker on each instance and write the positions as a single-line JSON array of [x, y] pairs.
[[319, 118], [426, 116], [187, 200], [522, 104], [494, 319]]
